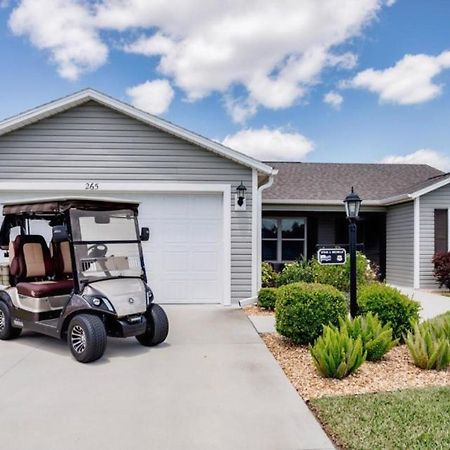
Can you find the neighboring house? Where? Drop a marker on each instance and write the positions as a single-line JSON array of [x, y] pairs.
[[404, 215], [203, 246]]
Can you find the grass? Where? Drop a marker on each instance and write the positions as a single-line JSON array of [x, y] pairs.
[[409, 419]]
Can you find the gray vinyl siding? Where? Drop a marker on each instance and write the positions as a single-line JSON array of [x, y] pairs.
[[400, 244], [438, 199], [92, 143]]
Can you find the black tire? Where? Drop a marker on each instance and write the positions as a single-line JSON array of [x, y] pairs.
[[86, 337], [7, 331], [157, 327]]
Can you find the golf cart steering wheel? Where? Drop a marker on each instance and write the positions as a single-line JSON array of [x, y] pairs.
[[97, 250]]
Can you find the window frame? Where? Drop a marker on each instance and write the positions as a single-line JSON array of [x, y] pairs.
[[279, 239]]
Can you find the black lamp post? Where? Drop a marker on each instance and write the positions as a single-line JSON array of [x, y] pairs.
[[352, 204], [241, 194]]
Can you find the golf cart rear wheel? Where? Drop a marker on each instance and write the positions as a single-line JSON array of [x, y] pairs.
[[157, 327], [7, 331], [86, 337]]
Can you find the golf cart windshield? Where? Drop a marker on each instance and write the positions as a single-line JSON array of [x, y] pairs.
[[106, 244]]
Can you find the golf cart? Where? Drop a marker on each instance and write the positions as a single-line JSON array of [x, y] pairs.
[[89, 282]]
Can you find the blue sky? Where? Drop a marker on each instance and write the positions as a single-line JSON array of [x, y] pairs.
[[253, 78]]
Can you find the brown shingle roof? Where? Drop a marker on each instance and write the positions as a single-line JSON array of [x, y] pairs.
[[332, 181]]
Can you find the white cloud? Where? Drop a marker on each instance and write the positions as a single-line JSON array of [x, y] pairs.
[[152, 96], [66, 29], [408, 82], [334, 99], [275, 51], [424, 156], [270, 144]]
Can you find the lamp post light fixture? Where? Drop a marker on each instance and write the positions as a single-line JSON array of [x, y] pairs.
[[241, 194], [352, 205]]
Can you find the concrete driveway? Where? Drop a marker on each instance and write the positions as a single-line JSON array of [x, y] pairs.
[[212, 385]]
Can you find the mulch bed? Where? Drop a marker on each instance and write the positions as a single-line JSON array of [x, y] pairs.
[[254, 310], [395, 371]]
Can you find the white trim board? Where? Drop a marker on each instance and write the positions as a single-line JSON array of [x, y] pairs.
[[416, 271], [78, 98], [255, 212], [182, 188]]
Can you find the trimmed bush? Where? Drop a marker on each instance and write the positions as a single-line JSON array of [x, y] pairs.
[[267, 298], [268, 275], [376, 338], [299, 271], [336, 355], [391, 306], [441, 271], [303, 308], [339, 275], [428, 349]]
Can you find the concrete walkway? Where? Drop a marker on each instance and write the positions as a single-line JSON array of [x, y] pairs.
[[212, 385], [432, 304]]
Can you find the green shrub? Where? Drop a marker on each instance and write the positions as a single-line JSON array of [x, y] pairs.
[[299, 271], [390, 305], [267, 298], [302, 309], [339, 275], [376, 338], [336, 355], [268, 275], [428, 349]]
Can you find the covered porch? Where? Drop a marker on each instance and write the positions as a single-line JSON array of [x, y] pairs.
[[293, 232]]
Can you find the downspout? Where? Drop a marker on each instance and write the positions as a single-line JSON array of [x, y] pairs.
[[266, 185]]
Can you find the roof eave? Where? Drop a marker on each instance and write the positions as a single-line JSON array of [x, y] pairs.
[[78, 98]]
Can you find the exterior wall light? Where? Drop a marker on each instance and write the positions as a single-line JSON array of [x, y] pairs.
[[240, 190]]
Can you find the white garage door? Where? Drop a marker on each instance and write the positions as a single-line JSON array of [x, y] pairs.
[[184, 257]]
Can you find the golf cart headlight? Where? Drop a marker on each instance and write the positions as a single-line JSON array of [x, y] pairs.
[[96, 301]]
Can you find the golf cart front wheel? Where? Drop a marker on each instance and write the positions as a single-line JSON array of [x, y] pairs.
[[86, 337], [157, 327], [7, 331]]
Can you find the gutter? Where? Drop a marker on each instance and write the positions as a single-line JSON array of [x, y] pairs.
[[261, 188]]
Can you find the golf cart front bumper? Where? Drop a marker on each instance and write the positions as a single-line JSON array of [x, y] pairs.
[[127, 327]]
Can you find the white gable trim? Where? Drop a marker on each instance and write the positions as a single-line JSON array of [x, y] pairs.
[[65, 103], [431, 188]]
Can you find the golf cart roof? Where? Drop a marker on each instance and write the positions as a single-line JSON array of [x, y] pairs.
[[56, 205]]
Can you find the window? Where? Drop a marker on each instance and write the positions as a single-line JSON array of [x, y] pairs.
[[441, 231], [283, 238]]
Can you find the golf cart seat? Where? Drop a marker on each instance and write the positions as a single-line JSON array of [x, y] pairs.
[[31, 265], [62, 262]]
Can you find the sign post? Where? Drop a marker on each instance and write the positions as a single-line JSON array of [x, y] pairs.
[[331, 256]]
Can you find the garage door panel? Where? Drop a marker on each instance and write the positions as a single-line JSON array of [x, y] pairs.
[[185, 251]]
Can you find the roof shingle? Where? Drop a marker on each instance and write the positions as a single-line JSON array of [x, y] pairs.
[[333, 181]]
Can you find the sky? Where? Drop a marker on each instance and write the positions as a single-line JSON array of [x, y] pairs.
[[294, 80]]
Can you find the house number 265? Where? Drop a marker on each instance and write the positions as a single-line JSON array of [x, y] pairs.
[[91, 186]]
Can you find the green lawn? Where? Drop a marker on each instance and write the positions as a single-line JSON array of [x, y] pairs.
[[409, 419]]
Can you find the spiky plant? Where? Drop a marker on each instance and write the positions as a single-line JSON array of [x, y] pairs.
[[376, 338], [429, 349], [336, 355]]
